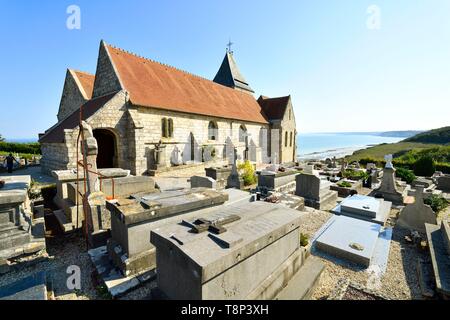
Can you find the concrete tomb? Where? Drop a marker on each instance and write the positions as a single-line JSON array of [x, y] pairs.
[[439, 244], [203, 182], [443, 182], [415, 215], [316, 191], [234, 252], [133, 218], [20, 234], [350, 239], [277, 181], [220, 175], [364, 208], [343, 192], [388, 189]]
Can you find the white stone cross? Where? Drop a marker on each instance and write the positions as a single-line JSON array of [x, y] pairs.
[[388, 159]]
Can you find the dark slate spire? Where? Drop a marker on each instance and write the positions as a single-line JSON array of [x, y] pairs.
[[230, 76]]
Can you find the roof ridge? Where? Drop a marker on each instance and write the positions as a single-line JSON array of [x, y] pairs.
[[160, 63], [80, 71]]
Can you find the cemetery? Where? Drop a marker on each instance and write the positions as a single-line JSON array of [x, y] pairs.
[[208, 238]]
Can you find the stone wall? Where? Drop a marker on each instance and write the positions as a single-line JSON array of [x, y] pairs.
[[183, 125], [72, 98], [288, 128]]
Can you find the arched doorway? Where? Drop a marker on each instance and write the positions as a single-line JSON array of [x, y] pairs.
[[106, 142]]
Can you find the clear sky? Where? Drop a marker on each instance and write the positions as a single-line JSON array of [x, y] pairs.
[[347, 68]]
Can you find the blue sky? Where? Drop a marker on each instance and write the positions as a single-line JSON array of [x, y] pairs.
[[342, 75]]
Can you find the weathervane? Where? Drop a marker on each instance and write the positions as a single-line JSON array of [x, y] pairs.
[[229, 46]]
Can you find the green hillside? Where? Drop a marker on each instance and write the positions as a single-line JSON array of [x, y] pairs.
[[434, 144], [437, 136]]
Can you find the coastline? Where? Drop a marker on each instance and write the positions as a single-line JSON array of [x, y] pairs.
[[338, 153]]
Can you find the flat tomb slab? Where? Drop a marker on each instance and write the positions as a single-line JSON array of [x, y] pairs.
[[384, 209], [362, 205], [440, 258], [350, 239], [228, 265], [146, 207]]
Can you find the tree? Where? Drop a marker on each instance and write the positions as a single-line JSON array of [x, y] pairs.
[[425, 166], [1, 138]]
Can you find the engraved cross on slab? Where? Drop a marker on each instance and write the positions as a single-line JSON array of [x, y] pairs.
[[215, 226]]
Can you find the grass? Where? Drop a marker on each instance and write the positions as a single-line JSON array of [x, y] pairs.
[[378, 152]]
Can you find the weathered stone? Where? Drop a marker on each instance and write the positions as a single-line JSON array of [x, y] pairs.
[[315, 191], [415, 215], [219, 174], [195, 266], [203, 182], [440, 256], [132, 221], [388, 189], [283, 181]]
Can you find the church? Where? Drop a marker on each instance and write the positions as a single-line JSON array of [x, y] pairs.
[[150, 117]]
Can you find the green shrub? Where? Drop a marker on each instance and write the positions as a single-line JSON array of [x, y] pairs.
[[247, 173], [436, 203], [30, 148], [443, 167], [425, 166], [344, 184], [405, 175], [355, 174], [365, 161], [304, 239]]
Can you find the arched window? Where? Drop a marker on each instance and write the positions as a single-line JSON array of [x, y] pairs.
[[290, 139], [167, 128], [242, 133], [286, 139], [212, 130]]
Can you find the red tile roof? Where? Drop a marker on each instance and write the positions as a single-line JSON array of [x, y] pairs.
[[56, 133], [152, 84], [274, 108], [87, 82]]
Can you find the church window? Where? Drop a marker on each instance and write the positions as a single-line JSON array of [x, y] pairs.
[[290, 140], [167, 128], [286, 139], [242, 133], [212, 130], [289, 114]]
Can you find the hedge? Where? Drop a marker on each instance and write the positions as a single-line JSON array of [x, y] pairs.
[[30, 148]]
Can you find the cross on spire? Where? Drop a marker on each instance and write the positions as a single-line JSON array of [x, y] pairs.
[[229, 44]]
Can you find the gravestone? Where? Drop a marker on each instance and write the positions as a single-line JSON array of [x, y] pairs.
[[176, 158], [443, 182], [159, 156], [439, 243], [350, 239], [203, 182], [235, 180], [220, 175], [133, 219], [364, 208], [388, 189], [316, 191], [237, 252], [371, 166], [19, 233], [277, 181], [415, 215]]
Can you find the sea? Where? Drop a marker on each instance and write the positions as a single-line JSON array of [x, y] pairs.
[[319, 146]]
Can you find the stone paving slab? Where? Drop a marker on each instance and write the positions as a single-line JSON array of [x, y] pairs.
[[116, 283]]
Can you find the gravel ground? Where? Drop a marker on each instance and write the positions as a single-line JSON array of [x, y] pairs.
[[398, 282], [65, 251]]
